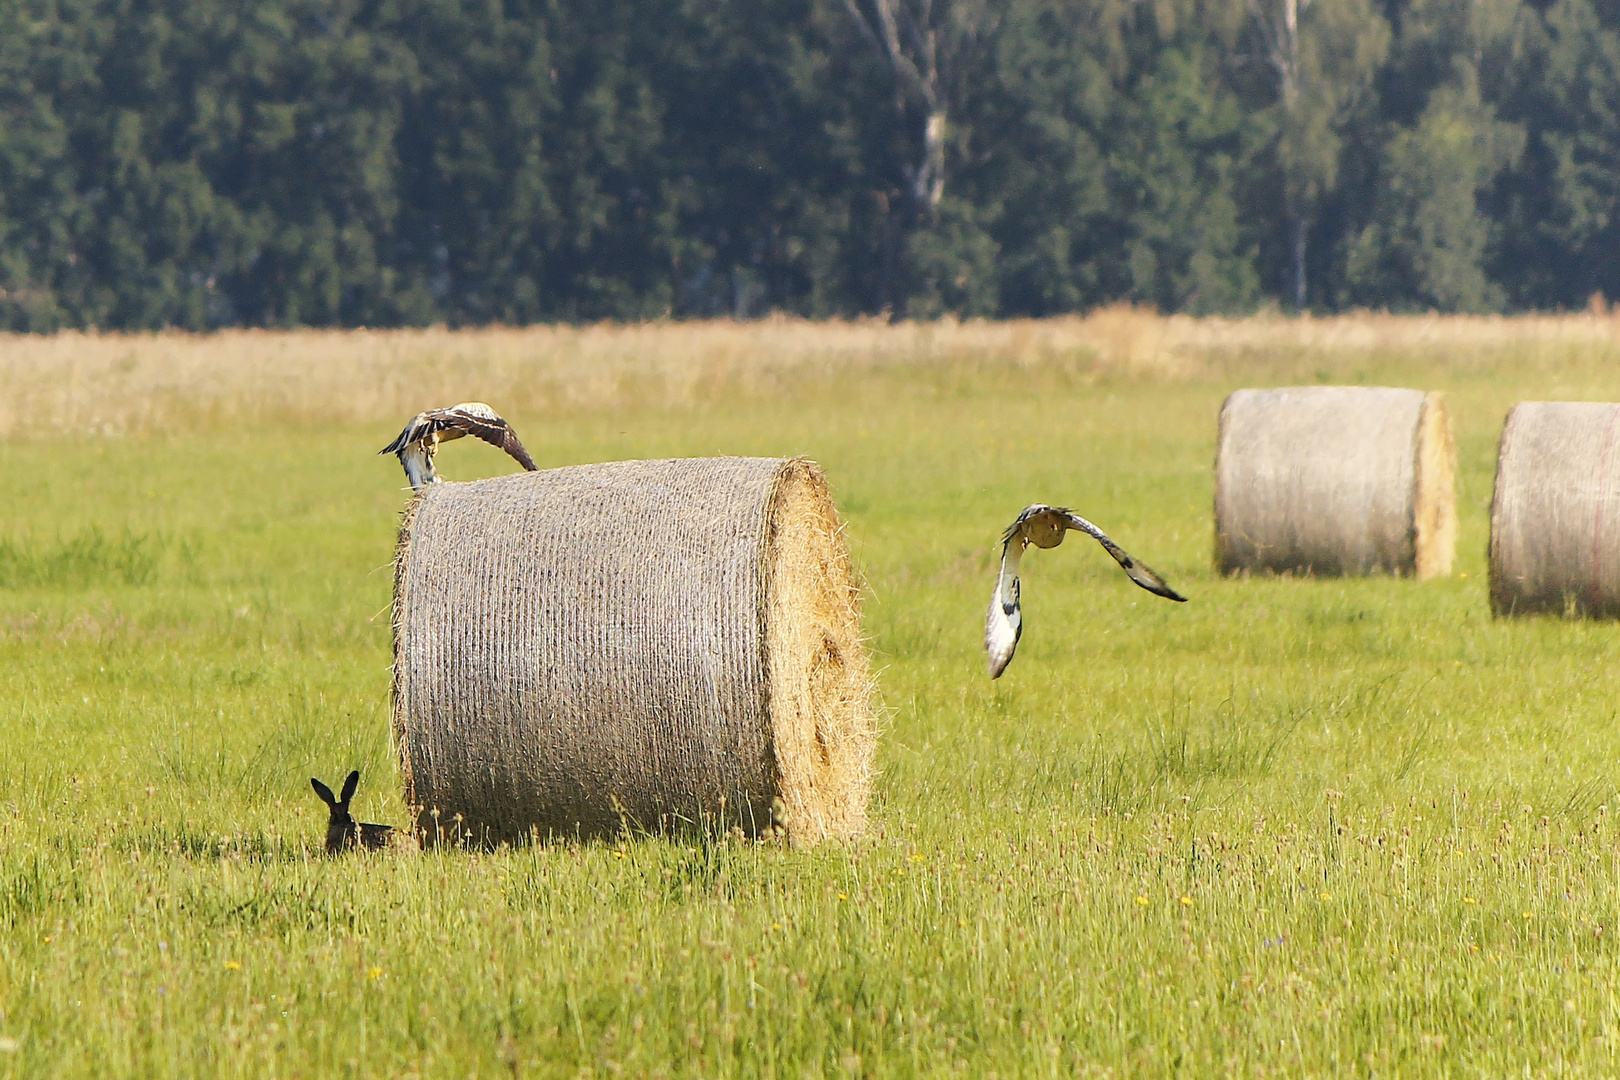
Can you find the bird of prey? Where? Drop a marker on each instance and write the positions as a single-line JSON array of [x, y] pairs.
[[420, 440], [1044, 527]]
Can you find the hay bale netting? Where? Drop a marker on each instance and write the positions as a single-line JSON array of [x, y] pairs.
[[1555, 517], [641, 644], [1335, 480]]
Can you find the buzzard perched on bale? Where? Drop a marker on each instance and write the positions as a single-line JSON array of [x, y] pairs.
[[1044, 527], [420, 440]]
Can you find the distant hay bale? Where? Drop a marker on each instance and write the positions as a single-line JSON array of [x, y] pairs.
[[1335, 481], [641, 644], [1555, 517]]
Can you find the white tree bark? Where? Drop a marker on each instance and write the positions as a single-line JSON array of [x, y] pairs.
[[1323, 64], [921, 44], [1279, 30]]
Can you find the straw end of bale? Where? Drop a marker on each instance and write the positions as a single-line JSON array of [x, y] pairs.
[[1435, 501], [820, 686]]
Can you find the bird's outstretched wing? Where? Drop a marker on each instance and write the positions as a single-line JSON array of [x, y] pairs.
[[482, 422], [1044, 526], [469, 418], [1140, 573], [419, 428], [1004, 622]]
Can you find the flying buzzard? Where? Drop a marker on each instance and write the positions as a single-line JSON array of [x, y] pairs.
[[1044, 527], [420, 440]]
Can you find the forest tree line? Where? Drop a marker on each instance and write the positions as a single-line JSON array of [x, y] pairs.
[[199, 164]]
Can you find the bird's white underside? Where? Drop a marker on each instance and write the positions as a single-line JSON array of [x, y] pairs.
[[418, 461]]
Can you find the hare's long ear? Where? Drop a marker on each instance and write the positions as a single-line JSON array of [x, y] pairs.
[[349, 785], [323, 791]]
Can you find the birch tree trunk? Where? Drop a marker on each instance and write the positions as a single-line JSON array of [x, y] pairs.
[[1322, 57], [924, 44]]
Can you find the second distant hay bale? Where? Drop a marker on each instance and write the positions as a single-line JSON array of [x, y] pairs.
[[641, 644], [1335, 481], [1555, 516]]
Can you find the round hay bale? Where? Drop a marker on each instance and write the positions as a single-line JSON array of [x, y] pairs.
[[640, 644], [1555, 516], [1335, 480]]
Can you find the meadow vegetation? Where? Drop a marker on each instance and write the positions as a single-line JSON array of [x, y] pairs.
[[1307, 827]]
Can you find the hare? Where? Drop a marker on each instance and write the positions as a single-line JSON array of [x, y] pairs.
[[342, 831]]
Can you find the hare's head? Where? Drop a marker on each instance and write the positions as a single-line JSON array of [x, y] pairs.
[[338, 807], [340, 825]]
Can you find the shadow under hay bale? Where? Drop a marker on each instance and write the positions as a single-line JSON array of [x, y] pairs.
[[641, 644], [1555, 515], [1335, 481]]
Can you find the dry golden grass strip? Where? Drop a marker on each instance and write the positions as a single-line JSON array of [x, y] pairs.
[[637, 645], [1335, 481], [1555, 517], [115, 383]]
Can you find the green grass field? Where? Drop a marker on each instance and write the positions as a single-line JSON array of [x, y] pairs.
[[1292, 827]]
